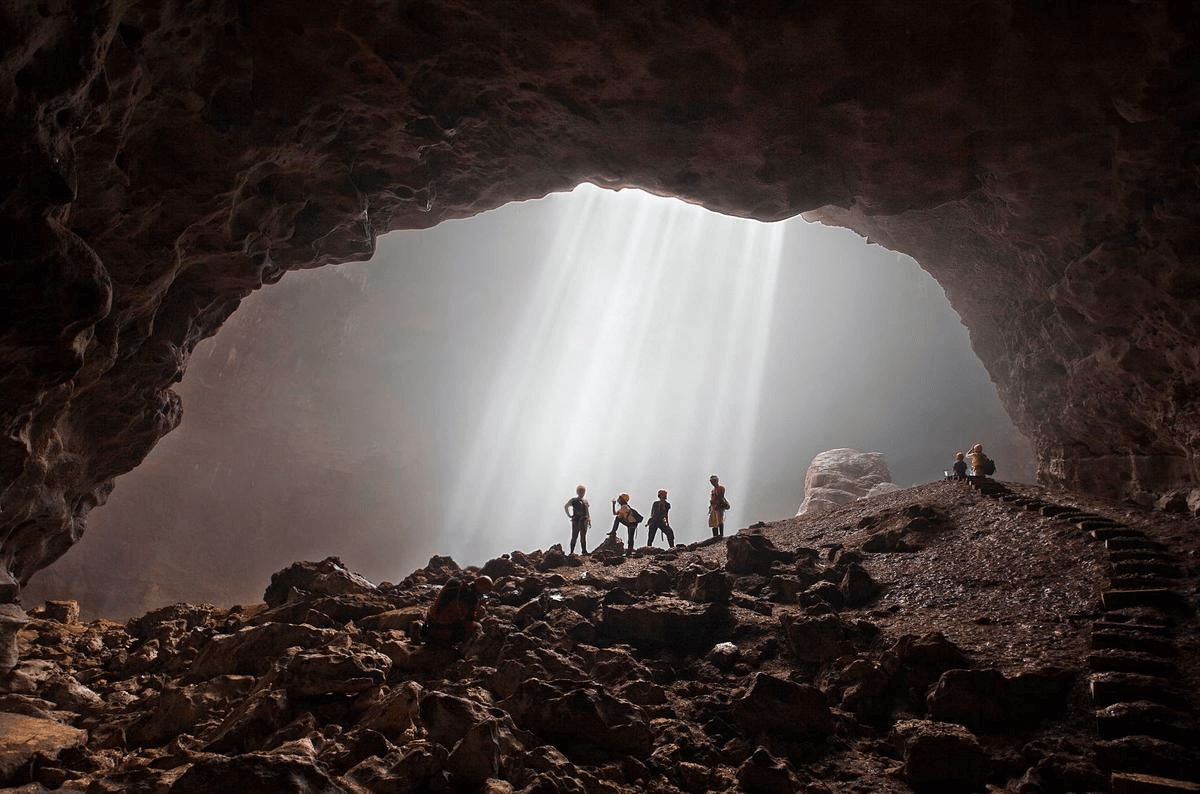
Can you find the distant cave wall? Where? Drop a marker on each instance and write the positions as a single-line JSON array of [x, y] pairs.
[[161, 160]]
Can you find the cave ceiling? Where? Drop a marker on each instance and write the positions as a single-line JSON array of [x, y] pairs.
[[161, 160]]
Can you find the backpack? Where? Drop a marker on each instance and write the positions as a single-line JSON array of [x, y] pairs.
[[635, 517], [989, 466]]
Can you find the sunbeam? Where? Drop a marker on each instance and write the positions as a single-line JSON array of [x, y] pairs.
[[637, 365]]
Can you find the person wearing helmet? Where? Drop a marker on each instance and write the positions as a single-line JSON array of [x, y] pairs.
[[717, 505], [625, 514], [455, 614], [659, 520], [578, 510]]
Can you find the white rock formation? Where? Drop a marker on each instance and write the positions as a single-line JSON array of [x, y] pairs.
[[838, 476]]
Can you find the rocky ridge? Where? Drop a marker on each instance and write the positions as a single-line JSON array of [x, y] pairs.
[[947, 637], [161, 160]]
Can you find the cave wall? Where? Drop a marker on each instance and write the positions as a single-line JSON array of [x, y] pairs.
[[161, 160]]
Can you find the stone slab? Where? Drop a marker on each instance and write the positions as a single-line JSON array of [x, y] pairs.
[[1133, 783], [21, 738]]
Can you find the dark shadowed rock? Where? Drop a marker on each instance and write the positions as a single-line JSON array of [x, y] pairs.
[[587, 724], [476, 757], [920, 661], [335, 668], [857, 586], [418, 766], [941, 757], [554, 557], [22, 739], [252, 650], [179, 709], [776, 706], [821, 638], [327, 577], [762, 773], [255, 772], [753, 553], [988, 701], [665, 622]]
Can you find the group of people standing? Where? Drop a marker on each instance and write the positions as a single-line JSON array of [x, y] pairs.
[[579, 511]]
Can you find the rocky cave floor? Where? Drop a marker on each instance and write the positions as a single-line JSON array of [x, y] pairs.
[[941, 638]]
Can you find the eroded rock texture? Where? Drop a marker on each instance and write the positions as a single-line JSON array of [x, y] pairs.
[[160, 160]]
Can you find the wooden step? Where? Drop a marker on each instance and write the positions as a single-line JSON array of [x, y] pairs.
[[1132, 542]]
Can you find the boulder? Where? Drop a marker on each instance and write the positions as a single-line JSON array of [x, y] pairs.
[[989, 701], [178, 709], [779, 707], [941, 757], [822, 638], [750, 553], [341, 669], [920, 661], [476, 757], [22, 739], [327, 577], [252, 650], [762, 773], [857, 587], [839, 476], [665, 622], [66, 612], [395, 711], [554, 557], [255, 772], [587, 724]]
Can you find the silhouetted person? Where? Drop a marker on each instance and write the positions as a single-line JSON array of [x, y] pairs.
[[455, 614], [960, 467], [717, 505], [981, 465], [625, 515], [578, 510], [660, 520]]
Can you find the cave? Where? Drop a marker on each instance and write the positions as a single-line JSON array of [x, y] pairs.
[[161, 161]]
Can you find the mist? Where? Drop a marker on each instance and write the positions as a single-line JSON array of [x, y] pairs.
[[448, 396]]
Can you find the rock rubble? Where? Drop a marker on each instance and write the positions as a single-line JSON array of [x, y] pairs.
[[645, 675]]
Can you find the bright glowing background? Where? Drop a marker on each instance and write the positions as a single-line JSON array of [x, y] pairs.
[[637, 363], [447, 397]]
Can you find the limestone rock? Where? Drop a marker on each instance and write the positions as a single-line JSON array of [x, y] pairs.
[[1056, 214], [327, 577], [664, 622], [255, 772], [776, 706], [23, 738], [838, 476], [941, 757], [252, 650], [750, 553]]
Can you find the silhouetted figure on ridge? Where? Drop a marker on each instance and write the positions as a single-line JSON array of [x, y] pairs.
[[960, 467], [625, 515], [578, 510], [981, 465], [717, 505], [660, 520]]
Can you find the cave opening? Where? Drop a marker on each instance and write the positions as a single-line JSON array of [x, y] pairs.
[[447, 396]]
